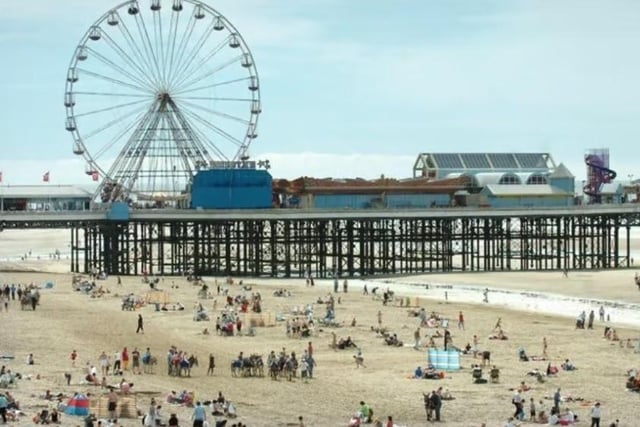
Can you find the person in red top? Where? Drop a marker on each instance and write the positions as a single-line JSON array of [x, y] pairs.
[[73, 357], [310, 349], [125, 359], [461, 321], [389, 422]]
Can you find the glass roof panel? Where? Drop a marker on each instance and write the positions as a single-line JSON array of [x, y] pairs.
[[448, 161], [475, 160], [503, 160]]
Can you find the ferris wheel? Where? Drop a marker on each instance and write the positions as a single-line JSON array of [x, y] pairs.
[[157, 90]]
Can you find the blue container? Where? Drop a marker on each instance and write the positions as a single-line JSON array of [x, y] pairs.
[[119, 212], [232, 189]]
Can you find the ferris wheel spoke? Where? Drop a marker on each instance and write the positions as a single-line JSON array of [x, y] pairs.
[[190, 57], [191, 134], [205, 145], [119, 69], [122, 22], [188, 155], [109, 124], [112, 80], [141, 52], [217, 113], [184, 85], [125, 95], [186, 36], [118, 137], [137, 68], [191, 66], [170, 45], [146, 40], [213, 85], [130, 146], [113, 107], [216, 98], [182, 48], [203, 137], [214, 128], [159, 42]]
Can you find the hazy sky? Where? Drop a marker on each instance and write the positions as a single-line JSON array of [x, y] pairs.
[[360, 87]]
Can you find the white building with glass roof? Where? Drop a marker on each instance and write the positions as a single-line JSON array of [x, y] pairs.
[[502, 179]]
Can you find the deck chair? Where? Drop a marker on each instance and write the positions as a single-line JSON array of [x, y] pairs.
[[495, 375], [477, 375]]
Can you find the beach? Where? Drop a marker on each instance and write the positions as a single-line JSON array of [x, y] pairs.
[[531, 306]]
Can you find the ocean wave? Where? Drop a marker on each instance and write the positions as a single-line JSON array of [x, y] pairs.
[[619, 312]]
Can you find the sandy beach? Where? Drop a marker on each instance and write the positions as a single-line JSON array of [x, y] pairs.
[[68, 320]]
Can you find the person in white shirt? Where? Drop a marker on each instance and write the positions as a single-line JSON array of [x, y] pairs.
[[569, 416], [596, 414], [553, 419]]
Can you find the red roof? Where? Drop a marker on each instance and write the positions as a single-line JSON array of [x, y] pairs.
[[307, 185]]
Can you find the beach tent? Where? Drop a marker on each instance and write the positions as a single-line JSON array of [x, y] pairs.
[[78, 405], [444, 360]]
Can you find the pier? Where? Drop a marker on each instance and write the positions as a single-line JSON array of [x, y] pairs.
[[293, 243]]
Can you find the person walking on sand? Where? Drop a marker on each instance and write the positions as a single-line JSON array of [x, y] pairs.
[[544, 347], [416, 339], [117, 365], [596, 414], [379, 318], [556, 401], [199, 415], [103, 361], [212, 364], [140, 324], [498, 324], [359, 358], [461, 321], [112, 405], [592, 317]]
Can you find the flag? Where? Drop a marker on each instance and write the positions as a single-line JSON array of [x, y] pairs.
[[95, 175], [45, 177]]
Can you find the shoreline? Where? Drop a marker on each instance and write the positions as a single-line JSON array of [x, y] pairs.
[[520, 299]]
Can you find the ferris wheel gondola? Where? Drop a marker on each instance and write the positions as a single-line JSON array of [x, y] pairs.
[[157, 90]]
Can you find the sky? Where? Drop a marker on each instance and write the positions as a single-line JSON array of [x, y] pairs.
[[358, 88]]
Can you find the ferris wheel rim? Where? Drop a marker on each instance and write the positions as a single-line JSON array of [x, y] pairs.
[[252, 73]]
